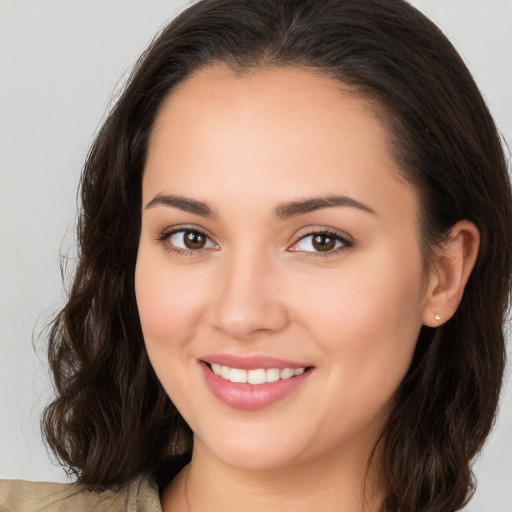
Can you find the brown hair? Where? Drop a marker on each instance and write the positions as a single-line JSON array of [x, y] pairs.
[[111, 418]]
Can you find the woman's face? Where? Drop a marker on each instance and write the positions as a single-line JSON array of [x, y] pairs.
[[277, 239]]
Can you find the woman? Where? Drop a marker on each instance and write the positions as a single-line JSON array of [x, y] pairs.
[[295, 266]]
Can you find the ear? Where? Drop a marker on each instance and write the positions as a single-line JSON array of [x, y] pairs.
[[453, 262]]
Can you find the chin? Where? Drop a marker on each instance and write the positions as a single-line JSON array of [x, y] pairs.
[[254, 460], [254, 449]]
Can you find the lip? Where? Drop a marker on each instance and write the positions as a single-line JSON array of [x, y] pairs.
[[252, 362], [251, 397]]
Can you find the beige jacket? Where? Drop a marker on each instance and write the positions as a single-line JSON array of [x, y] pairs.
[[139, 495]]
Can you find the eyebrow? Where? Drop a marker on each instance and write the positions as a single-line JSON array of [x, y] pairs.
[[282, 212], [182, 203], [294, 208]]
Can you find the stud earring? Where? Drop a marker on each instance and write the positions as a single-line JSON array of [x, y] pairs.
[[437, 317]]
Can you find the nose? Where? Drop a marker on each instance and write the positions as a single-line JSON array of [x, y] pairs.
[[249, 300]]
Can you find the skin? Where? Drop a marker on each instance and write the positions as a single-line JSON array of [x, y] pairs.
[[244, 145]]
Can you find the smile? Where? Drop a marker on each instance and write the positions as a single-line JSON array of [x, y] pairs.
[[253, 383], [257, 376]]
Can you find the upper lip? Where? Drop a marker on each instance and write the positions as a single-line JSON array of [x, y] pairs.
[[251, 362]]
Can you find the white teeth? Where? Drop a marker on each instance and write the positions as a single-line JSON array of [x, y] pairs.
[[236, 375], [224, 372], [286, 373], [272, 375], [257, 376]]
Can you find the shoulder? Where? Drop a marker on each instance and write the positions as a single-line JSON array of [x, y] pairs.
[[138, 495]]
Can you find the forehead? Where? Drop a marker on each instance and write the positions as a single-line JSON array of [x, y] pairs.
[[283, 131], [311, 104]]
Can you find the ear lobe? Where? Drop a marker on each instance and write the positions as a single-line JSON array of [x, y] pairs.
[[453, 262]]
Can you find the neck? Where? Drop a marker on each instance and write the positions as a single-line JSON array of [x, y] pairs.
[[337, 483]]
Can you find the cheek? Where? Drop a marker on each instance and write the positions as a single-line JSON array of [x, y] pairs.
[[170, 302], [170, 310], [367, 319]]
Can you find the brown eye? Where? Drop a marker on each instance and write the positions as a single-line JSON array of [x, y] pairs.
[[188, 240], [194, 240], [323, 242]]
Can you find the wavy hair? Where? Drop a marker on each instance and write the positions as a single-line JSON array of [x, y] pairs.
[[111, 418]]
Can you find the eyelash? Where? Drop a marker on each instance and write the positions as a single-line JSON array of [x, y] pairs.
[[165, 236], [345, 244]]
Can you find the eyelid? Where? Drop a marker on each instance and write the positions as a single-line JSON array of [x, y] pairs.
[[347, 240], [313, 230], [166, 233]]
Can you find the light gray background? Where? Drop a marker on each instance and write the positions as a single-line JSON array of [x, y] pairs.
[[60, 61]]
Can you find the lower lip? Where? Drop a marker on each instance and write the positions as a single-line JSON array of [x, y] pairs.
[[251, 396]]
